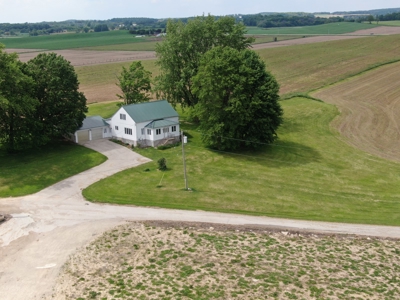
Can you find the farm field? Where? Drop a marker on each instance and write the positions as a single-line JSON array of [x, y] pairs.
[[298, 68], [98, 82], [29, 172], [310, 174], [72, 40], [192, 261], [302, 68], [389, 23], [332, 28], [370, 106]]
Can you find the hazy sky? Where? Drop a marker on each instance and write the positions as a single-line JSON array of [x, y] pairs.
[[19, 11]]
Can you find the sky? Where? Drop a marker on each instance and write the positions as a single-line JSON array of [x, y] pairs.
[[21, 11]]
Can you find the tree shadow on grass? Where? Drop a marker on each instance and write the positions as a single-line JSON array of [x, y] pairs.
[[282, 154]]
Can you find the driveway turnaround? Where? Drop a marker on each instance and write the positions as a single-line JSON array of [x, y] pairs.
[[49, 226]]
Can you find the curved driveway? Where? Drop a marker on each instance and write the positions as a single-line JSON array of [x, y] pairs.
[[52, 224]]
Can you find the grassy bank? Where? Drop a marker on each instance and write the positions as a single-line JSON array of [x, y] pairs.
[[308, 174], [30, 171]]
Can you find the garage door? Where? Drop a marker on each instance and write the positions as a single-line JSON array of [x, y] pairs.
[[83, 136], [97, 133]]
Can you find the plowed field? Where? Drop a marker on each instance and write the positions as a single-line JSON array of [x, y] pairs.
[[370, 106]]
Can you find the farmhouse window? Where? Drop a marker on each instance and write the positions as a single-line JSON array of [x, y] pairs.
[[105, 130], [149, 131], [116, 127], [166, 130], [128, 131], [173, 128], [122, 116], [158, 131], [142, 131]]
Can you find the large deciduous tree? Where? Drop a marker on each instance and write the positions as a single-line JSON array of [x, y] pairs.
[[16, 102], [61, 107], [238, 99], [135, 83], [179, 55]]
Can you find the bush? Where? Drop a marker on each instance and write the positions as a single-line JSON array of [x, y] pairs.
[[162, 164]]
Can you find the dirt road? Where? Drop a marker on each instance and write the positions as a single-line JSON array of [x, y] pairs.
[[49, 226]]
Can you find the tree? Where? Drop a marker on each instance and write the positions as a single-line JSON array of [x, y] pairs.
[[101, 27], [370, 18], [180, 53], [238, 100], [16, 102], [135, 83], [61, 107]]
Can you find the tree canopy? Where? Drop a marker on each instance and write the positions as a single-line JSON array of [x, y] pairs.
[[179, 55], [134, 83], [39, 100], [238, 99], [16, 102]]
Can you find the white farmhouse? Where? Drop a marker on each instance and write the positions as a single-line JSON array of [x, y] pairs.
[[144, 124]]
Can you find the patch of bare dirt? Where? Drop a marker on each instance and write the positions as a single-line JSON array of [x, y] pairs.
[[369, 106], [165, 260]]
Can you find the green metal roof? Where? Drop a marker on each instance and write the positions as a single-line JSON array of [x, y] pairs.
[[161, 123], [148, 111], [93, 122]]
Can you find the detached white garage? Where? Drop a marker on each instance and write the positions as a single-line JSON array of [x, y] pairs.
[[93, 128]]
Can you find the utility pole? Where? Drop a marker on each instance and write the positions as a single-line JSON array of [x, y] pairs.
[[184, 161]]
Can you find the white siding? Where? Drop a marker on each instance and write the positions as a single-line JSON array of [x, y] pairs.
[[122, 124]]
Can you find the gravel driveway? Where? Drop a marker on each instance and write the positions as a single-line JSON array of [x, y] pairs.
[[49, 226]]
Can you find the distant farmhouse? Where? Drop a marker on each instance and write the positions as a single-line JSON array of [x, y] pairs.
[[144, 124]]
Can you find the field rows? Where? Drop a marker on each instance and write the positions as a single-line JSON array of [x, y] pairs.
[[370, 106]]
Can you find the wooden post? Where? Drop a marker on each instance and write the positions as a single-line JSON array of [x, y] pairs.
[[184, 161]]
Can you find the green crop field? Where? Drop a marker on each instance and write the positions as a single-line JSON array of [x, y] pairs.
[[332, 28], [389, 23], [138, 46], [72, 40], [308, 174]]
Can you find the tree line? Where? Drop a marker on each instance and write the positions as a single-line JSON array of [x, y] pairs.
[[286, 20]]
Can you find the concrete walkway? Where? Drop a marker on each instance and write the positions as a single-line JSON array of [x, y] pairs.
[[52, 224]]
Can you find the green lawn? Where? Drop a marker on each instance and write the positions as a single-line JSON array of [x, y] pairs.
[[29, 172], [72, 40], [104, 109], [332, 28], [310, 173]]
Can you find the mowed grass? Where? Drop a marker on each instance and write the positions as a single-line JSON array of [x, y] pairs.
[[30, 171], [308, 174], [72, 40], [331, 28], [104, 109]]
